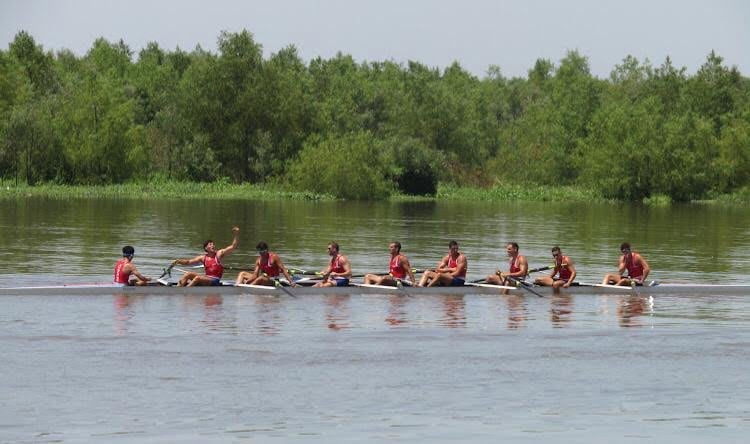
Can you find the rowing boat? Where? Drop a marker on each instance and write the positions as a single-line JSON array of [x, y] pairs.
[[229, 288]]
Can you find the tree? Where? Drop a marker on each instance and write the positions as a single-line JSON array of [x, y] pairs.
[[36, 63], [348, 166]]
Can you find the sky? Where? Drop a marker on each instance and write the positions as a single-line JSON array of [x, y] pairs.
[[475, 33]]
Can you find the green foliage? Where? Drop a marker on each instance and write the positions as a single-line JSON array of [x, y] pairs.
[[646, 132], [658, 200], [347, 166], [516, 192], [616, 156], [415, 168], [157, 188]]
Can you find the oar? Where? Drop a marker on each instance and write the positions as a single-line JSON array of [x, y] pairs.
[[316, 275], [302, 272], [225, 267], [277, 284], [533, 270], [400, 285], [165, 272], [524, 286]]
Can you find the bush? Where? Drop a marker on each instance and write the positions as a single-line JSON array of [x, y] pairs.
[[348, 167], [414, 167]]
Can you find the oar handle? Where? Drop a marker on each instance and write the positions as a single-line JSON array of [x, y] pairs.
[[523, 285], [303, 272]]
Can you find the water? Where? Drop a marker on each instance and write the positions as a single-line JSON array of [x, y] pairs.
[[480, 368], [53, 241]]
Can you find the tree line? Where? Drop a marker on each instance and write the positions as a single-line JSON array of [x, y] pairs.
[[366, 130]]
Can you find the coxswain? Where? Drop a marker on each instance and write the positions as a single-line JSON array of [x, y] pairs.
[[126, 273], [213, 269]]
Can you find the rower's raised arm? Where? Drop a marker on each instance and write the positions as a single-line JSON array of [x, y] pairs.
[[235, 241]]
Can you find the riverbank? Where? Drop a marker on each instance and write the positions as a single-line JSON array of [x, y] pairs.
[[159, 190], [225, 190]]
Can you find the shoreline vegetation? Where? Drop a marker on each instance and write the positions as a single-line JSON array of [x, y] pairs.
[[155, 190], [236, 123]]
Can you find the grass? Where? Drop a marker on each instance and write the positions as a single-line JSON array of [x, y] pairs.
[[165, 189], [159, 190], [526, 193], [739, 197]]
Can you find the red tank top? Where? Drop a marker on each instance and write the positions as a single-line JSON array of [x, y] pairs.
[[336, 266], [268, 266], [121, 277], [564, 272], [453, 263], [212, 266], [634, 270], [514, 268], [397, 270]]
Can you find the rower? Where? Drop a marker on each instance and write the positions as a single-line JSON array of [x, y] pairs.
[[562, 274], [339, 270], [634, 263], [450, 272], [399, 268], [268, 268], [213, 269], [518, 268], [126, 273]]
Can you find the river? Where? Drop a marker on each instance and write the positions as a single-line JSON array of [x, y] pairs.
[[476, 368]]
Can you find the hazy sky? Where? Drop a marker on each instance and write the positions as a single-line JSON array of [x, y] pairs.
[[476, 33]]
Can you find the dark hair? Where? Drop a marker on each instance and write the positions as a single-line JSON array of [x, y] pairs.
[[398, 246], [515, 245], [127, 250], [624, 246], [452, 244], [206, 243], [556, 249], [261, 246], [335, 245]]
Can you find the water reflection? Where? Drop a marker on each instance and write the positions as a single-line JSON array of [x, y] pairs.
[[397, 314], [517, 311], [123, 313], [631, 309], [214, 316], [337, 312], [268, 315], [561, 310], [454, 312]]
